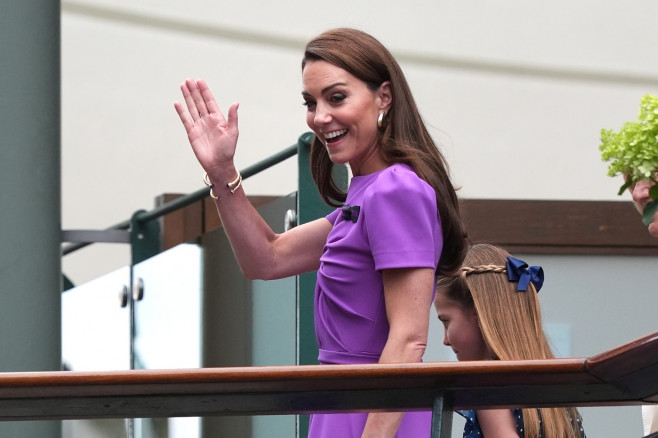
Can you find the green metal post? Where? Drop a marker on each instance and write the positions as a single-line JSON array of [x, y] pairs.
[[442, 417], [30, 222], [144, 238]]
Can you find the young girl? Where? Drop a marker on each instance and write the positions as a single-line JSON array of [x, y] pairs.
[[490, 311]]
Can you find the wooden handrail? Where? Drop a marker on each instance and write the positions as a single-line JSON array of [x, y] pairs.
[[623, 376]]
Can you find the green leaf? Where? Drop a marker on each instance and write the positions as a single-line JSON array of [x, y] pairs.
[[649, 211], [626, 185], [633, 150], [653, 191]]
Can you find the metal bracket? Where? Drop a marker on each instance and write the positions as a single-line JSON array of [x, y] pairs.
[[144, 238], [88, 236], [442, 416]]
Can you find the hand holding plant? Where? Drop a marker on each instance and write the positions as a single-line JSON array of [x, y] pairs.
[[633, 152]]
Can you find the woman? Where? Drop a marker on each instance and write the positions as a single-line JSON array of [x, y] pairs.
[[378, 255]]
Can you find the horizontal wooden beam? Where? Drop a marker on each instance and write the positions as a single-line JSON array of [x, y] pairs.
[[521, 226], [558, 227], [191, 222]]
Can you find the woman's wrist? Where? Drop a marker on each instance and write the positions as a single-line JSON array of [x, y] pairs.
[[220, 183], [222, 174]]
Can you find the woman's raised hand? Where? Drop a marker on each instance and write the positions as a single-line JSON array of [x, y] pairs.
[[212, 136]]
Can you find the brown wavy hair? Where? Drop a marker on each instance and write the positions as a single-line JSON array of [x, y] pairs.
[[511, 326], [404, 140]]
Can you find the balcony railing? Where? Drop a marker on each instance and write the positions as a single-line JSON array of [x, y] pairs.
[[622, 376]]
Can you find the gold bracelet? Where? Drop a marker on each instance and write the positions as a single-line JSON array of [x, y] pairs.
[[237, 179], [206, 181], [233, 185]]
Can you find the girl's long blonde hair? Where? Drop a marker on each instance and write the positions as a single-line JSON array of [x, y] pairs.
[[511, 326]]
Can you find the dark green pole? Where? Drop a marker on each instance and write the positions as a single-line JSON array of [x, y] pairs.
[[30, 202]]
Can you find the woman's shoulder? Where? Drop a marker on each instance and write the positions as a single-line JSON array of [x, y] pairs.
[[399, 177], [398, 170]]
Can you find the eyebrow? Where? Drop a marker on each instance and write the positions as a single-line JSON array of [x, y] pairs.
[[325, 89]]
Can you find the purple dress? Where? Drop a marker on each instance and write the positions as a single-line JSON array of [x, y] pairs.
[[389, 220]]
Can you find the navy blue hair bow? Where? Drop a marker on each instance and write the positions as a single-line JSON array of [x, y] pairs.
[[519, 271], [350, 213]]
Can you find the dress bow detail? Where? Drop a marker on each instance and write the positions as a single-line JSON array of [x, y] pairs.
[[519, 271], [350, 213]]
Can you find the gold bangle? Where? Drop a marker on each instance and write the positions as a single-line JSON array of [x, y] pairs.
[[233, 185], [212, 195], [237, 183], [206, 181]]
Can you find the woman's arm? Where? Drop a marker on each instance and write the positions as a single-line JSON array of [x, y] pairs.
[[260, 252], [497, 423], [263, 254], [408, 299]]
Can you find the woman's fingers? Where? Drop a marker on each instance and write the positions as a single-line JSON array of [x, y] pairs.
[[197, 99], [189, 101], [188, 123], [208, 98], [232, 121], [195, 104]]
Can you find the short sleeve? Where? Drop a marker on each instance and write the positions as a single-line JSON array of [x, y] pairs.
[[331, 217], [402, 221]]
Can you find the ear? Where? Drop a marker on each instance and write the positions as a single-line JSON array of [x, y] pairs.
[[473, 316], [385, 95]]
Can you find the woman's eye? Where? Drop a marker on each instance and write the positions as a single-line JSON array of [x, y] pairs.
[[337, 98], [308, 103]]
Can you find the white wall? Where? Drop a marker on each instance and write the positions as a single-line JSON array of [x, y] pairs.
[[515, 92]]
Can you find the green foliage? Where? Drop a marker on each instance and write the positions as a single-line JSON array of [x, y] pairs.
[[633, 151], [649, 211]]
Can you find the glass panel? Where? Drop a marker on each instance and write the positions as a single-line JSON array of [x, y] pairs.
[[168, 316], [167, 323], [95, 328], [96, 337]]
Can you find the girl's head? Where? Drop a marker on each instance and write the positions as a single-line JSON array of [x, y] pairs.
[[509, 319], [401, 135]]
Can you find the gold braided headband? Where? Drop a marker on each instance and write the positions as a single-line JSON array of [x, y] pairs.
[[467, 270], [517, 271]]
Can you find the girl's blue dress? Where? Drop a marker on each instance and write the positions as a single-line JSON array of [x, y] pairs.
[[472, 426]]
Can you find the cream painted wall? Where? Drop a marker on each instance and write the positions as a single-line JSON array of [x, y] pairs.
[[515, 92]]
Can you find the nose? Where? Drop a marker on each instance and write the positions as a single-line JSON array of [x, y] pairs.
[[446, 341], [641, 191], [322, 115]]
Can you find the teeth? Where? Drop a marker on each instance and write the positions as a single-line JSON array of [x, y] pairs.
[[334, 134]]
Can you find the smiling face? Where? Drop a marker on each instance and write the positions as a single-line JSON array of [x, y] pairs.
[[342, 111], [461, 329]]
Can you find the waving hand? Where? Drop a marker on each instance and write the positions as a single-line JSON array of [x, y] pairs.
[[212, 136]]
